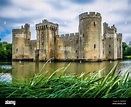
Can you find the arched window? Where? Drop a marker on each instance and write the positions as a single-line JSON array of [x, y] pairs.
[[94, 46], [94, 23], [16, 50], [76, 51]]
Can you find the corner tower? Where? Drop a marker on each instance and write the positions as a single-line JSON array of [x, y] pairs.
[[109, 42], [90, 37], [20, 43]]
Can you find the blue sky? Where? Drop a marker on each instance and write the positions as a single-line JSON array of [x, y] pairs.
[[14, 13]]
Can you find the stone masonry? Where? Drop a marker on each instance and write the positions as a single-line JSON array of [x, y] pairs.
[[88, 44]]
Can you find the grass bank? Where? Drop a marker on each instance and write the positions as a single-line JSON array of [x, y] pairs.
[[59, 85], [127, 57]]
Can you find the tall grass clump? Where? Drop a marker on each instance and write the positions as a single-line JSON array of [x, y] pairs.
[[59, 85]]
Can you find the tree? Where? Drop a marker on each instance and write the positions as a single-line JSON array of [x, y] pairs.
[[124, 45], [128, 51], [5, 51]]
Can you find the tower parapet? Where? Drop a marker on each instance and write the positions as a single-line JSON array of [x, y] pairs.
[[109, 29], [46, 24], [119, 35], [89, 14]]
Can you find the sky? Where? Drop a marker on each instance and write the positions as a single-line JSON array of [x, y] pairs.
[[14, 13]]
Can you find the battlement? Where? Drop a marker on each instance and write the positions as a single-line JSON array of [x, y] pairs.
[[119, 35], [70, 35], [46, 24], [16, 30], [89, 14], [105, 24], [26, 26], [109, 29], [23, 28]]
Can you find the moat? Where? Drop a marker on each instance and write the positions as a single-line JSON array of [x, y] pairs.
[[23, 71]]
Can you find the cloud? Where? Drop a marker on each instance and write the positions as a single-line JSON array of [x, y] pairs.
[[65, 13], [126, 37]]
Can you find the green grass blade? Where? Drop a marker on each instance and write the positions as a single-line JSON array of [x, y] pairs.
[[108, 75]]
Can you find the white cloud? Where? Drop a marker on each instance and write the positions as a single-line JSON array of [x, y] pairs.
[[66, 13], [126, 37]]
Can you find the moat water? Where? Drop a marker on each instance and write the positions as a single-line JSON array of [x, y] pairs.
[[23, 71]]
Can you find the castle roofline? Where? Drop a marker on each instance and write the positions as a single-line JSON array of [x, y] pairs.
[[89, 14], [46, 24], [119, 35]]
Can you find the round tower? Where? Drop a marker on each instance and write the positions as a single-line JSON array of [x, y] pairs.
[[90, 37]]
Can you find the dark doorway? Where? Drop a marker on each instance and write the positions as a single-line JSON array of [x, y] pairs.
[[37, 55]]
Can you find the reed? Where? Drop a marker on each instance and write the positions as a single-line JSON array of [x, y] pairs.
[[59, 85]]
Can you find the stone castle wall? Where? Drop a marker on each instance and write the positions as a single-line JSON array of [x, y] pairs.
[[67, 46], [87, 44]]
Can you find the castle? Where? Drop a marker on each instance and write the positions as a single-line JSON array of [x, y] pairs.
[[88, 44]]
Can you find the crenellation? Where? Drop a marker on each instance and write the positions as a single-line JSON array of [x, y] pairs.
[[119, 35], [88, 44], [62, 35], [47, 25], [76, 34], [98, 14], [105, 24], [90, 14], [72, 34]]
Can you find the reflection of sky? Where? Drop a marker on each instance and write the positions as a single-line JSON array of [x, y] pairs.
[[5, 66], [5, 77], [125, 65], [24, 71]]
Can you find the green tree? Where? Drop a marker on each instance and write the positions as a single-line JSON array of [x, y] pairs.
[[5, 51], [9, 52], [124, 47], [128, 51]]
